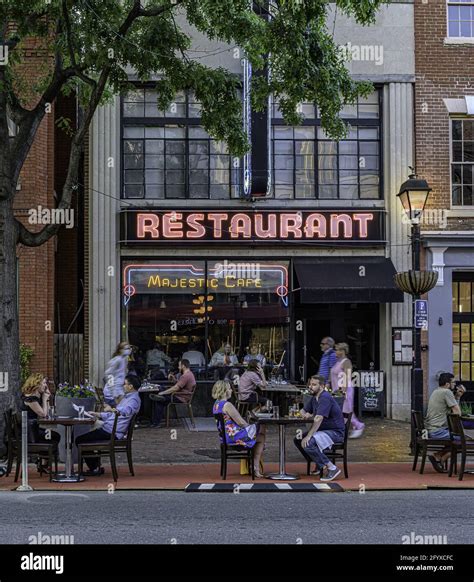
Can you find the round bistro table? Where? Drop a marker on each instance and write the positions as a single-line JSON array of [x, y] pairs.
[[282, 423], [68, 476]]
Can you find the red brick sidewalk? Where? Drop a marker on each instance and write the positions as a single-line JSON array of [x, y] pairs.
[[371, 476]]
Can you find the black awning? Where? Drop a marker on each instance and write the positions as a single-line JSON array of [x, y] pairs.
[[347, 280]]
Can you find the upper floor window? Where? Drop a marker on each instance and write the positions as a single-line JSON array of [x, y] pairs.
[[461, 18], [308, 164], [168, 154], [462, 161]]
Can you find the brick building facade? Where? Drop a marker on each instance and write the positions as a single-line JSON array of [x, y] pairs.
[[444, 152], [48, 289]]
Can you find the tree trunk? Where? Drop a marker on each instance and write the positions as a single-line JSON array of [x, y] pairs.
[[9, 325]]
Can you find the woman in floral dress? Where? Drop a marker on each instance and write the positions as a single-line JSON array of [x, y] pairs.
[[237, 430]]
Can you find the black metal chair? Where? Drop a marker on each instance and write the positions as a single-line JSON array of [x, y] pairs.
[[459, 445], [338, 450], [177, 403], [110, 448], [232, 451], [42, 450], [423, 444], [125, 445]]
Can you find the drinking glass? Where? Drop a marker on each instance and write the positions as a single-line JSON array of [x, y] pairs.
[[269, 405], [51, 413], [81, 413], [276, 412]]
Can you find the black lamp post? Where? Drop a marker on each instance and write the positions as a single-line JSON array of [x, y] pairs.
[[413, 195]]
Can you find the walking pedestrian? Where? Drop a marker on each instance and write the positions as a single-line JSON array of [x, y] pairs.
[[341, 377], [328, 359], [114, 375]]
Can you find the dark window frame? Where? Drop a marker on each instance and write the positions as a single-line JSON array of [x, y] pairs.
[[316, 123], [185, 122]]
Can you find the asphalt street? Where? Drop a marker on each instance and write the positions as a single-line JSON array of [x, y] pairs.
[[158, 517]]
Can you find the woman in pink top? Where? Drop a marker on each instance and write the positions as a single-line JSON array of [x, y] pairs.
[[341, 374]]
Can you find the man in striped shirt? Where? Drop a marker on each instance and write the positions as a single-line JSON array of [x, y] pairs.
[[328, 359]]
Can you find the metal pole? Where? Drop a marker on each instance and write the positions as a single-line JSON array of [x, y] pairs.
[[417, 371], [24, 454]]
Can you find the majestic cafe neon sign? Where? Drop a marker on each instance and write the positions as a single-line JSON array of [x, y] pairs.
[[252, 226]]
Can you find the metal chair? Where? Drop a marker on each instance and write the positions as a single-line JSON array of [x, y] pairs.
[[338, 450], [100, 449], [42, 450], [125, 445], [424, 444], [459, 445], [176, 403], [232, 451]]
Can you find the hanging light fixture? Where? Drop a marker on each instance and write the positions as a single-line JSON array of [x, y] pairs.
[[163, 304]]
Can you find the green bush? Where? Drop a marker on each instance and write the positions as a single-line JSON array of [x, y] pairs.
[[26, 354]]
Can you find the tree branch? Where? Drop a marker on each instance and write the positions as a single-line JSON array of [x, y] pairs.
[[70, 45]]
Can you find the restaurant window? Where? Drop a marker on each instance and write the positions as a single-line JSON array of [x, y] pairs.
[[201, 306], [462, 161], [463, 326], [308, 164], [168, 154], [460, 18]]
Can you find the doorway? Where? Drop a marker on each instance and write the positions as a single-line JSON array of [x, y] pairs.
[[355, 324]]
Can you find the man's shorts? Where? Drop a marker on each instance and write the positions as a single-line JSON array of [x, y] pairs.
[[439, 433]]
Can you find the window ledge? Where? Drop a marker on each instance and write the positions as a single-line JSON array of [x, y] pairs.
[[460, 212], [459, 40]]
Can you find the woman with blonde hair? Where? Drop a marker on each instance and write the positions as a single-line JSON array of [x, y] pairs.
[[35, 395], [341, 377], [114, 375], [237, 430]]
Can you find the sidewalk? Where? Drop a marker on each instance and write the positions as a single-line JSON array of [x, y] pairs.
[[371, 476]]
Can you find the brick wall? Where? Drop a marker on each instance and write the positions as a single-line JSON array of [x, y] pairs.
[[442, 71], [37, 265]]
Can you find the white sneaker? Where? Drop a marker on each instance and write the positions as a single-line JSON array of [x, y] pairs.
[[355, 434]]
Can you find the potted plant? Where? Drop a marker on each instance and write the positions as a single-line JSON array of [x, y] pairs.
[[79, 394]]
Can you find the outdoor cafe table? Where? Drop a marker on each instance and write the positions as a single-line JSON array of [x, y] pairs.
[[282, 424], [69, 476]]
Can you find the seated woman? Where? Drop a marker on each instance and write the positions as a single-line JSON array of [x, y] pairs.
[[35, 395], [251, 381], [237, 430]]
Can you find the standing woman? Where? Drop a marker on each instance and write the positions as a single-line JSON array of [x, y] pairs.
[[114, 375], [341, 374], [35, 395]]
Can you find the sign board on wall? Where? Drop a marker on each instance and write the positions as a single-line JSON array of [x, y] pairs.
[[402, 346], [204, 226]]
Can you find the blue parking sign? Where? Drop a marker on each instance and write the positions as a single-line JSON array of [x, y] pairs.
[[421, 314]]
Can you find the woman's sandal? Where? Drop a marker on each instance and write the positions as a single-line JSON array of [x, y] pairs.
[[257, 474]]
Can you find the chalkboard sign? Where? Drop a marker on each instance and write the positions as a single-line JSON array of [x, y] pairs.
[[371, 393]]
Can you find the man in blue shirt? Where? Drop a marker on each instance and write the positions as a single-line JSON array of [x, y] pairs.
[[328, 359], [328, 428], [126, 408]]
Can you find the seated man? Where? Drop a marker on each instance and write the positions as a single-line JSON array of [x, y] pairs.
[[328, 428], [223, 361], [127, 407], [195, 357], [443, 400], [183, 390]]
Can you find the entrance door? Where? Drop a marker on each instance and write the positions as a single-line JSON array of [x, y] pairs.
[[354, 324]]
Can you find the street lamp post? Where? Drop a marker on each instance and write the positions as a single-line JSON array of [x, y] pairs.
[[413, 195]]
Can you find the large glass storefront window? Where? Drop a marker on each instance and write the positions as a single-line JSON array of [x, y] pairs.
[[218, 314]]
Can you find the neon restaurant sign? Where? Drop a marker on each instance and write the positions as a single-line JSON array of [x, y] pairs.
[[221, 277], [325, 226]]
